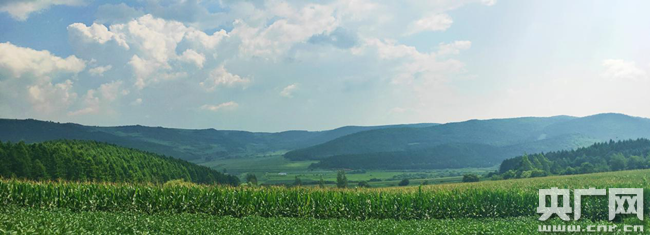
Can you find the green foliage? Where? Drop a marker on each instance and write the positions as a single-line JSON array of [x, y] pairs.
[[404, 182], [94, 161], [34, 221], [251, 179], [470, 178], [600, 157], [487, 199], [341, 180], [297, 181], [363, 184]]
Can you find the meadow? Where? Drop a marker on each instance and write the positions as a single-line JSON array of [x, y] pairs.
[[268, 169]]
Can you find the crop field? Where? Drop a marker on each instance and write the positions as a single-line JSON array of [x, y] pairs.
[[483, 206], [29, 221]]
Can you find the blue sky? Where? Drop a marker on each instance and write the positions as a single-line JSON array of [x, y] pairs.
[[280, 65]]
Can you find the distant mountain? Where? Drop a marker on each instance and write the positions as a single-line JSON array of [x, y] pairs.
[[187, 144], [477, 142], [94, 161]]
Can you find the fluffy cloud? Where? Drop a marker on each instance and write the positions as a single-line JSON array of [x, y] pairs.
[[435, 22], [193, 57], [149, 46], [221, 77], [218, 107], [21, 9], [288, 90], [412, 64], [298, 25], [99, 70], [99, 100], [453, 48], [20, 60], [49, 98], [623, 70]]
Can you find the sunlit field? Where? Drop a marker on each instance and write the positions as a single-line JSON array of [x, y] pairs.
[[483, 206]]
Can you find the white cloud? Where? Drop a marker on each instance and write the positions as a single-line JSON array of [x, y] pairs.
[[222, 106], [411, 65], [47, 98], [100, 100], [488, 2], [136, 102], [192, 56], [110, 91], [221, 77], [288, 90], [149, 45], [99, 70], [623, 70], [297, 25], [434, 22], [21, 9], [20, 60], [118, 13], [96, 33], [453, 48]]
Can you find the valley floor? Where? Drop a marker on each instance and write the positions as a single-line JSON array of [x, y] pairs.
[[35, 221]]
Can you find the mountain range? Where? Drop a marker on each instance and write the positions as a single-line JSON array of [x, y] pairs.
[[187, 144], [473, 143]]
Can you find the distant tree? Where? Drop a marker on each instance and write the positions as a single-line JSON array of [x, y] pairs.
[[341, 180], [470, 178], [618, 162], [363, 184], [38, 170], [526, 165], [404, 182], [425, 182], [321, 182], [297, 181], [636, 162], [251, 179]]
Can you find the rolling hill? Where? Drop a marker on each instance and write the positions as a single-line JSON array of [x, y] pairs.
[[94, 161], [191, 145], [475, 143], [599, 157]]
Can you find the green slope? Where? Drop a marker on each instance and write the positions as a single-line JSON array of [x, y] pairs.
[[94, 161], [475, 143], [192, 145], [600, 157]]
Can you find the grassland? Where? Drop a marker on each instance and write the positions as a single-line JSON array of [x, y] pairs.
[[268, 168]]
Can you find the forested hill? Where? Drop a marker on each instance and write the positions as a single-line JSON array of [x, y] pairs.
[[192, 145], [94, 161], [600, 157], [471, 143]]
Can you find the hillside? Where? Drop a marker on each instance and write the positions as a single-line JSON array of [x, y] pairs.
[[402, 147], [192, 145], [94, 161], [600, 157]]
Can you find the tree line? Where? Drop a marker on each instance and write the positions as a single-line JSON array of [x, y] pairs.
[[600, 157], [77, 160]]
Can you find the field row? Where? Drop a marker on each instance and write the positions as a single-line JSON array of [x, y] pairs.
[[497, 199], [37, 221]]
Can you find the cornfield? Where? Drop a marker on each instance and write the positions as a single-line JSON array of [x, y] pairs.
[[497, 199]]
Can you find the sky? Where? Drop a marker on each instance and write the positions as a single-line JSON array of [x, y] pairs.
[[300, 65]]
